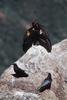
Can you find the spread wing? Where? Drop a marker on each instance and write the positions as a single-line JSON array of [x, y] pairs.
[[19, 72], [17, 69]]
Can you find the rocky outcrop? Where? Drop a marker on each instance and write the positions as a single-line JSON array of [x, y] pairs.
[[37, 62]]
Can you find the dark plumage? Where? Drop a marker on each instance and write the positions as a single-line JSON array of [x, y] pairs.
[[46, 84], [19, 72], [36, 34]]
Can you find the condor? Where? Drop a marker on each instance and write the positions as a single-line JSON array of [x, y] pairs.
[[36, 34]]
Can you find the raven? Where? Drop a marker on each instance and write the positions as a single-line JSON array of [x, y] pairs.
[[19, 72], [46, 84]]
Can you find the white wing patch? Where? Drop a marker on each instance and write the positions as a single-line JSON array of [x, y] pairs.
[[41, 32], [33, 29]]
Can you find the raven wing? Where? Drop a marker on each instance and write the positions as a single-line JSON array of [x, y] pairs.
[[45, 85], [17, 69]]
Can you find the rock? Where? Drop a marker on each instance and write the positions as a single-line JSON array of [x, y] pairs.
[[37, 62], [18, 95]]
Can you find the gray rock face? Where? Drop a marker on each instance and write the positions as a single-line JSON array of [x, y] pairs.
[[37, 62]]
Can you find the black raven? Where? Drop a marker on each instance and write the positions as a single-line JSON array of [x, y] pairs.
[[46, 84], [19, 72], [36, 34]]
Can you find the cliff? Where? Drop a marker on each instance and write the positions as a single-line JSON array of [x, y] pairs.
[[37, 62]]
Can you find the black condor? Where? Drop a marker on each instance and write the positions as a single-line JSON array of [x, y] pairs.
[[36, 34]]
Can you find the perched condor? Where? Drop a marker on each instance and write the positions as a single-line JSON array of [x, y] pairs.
[[36, 34]]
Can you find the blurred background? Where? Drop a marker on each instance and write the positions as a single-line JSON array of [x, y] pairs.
[[17, 15]]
